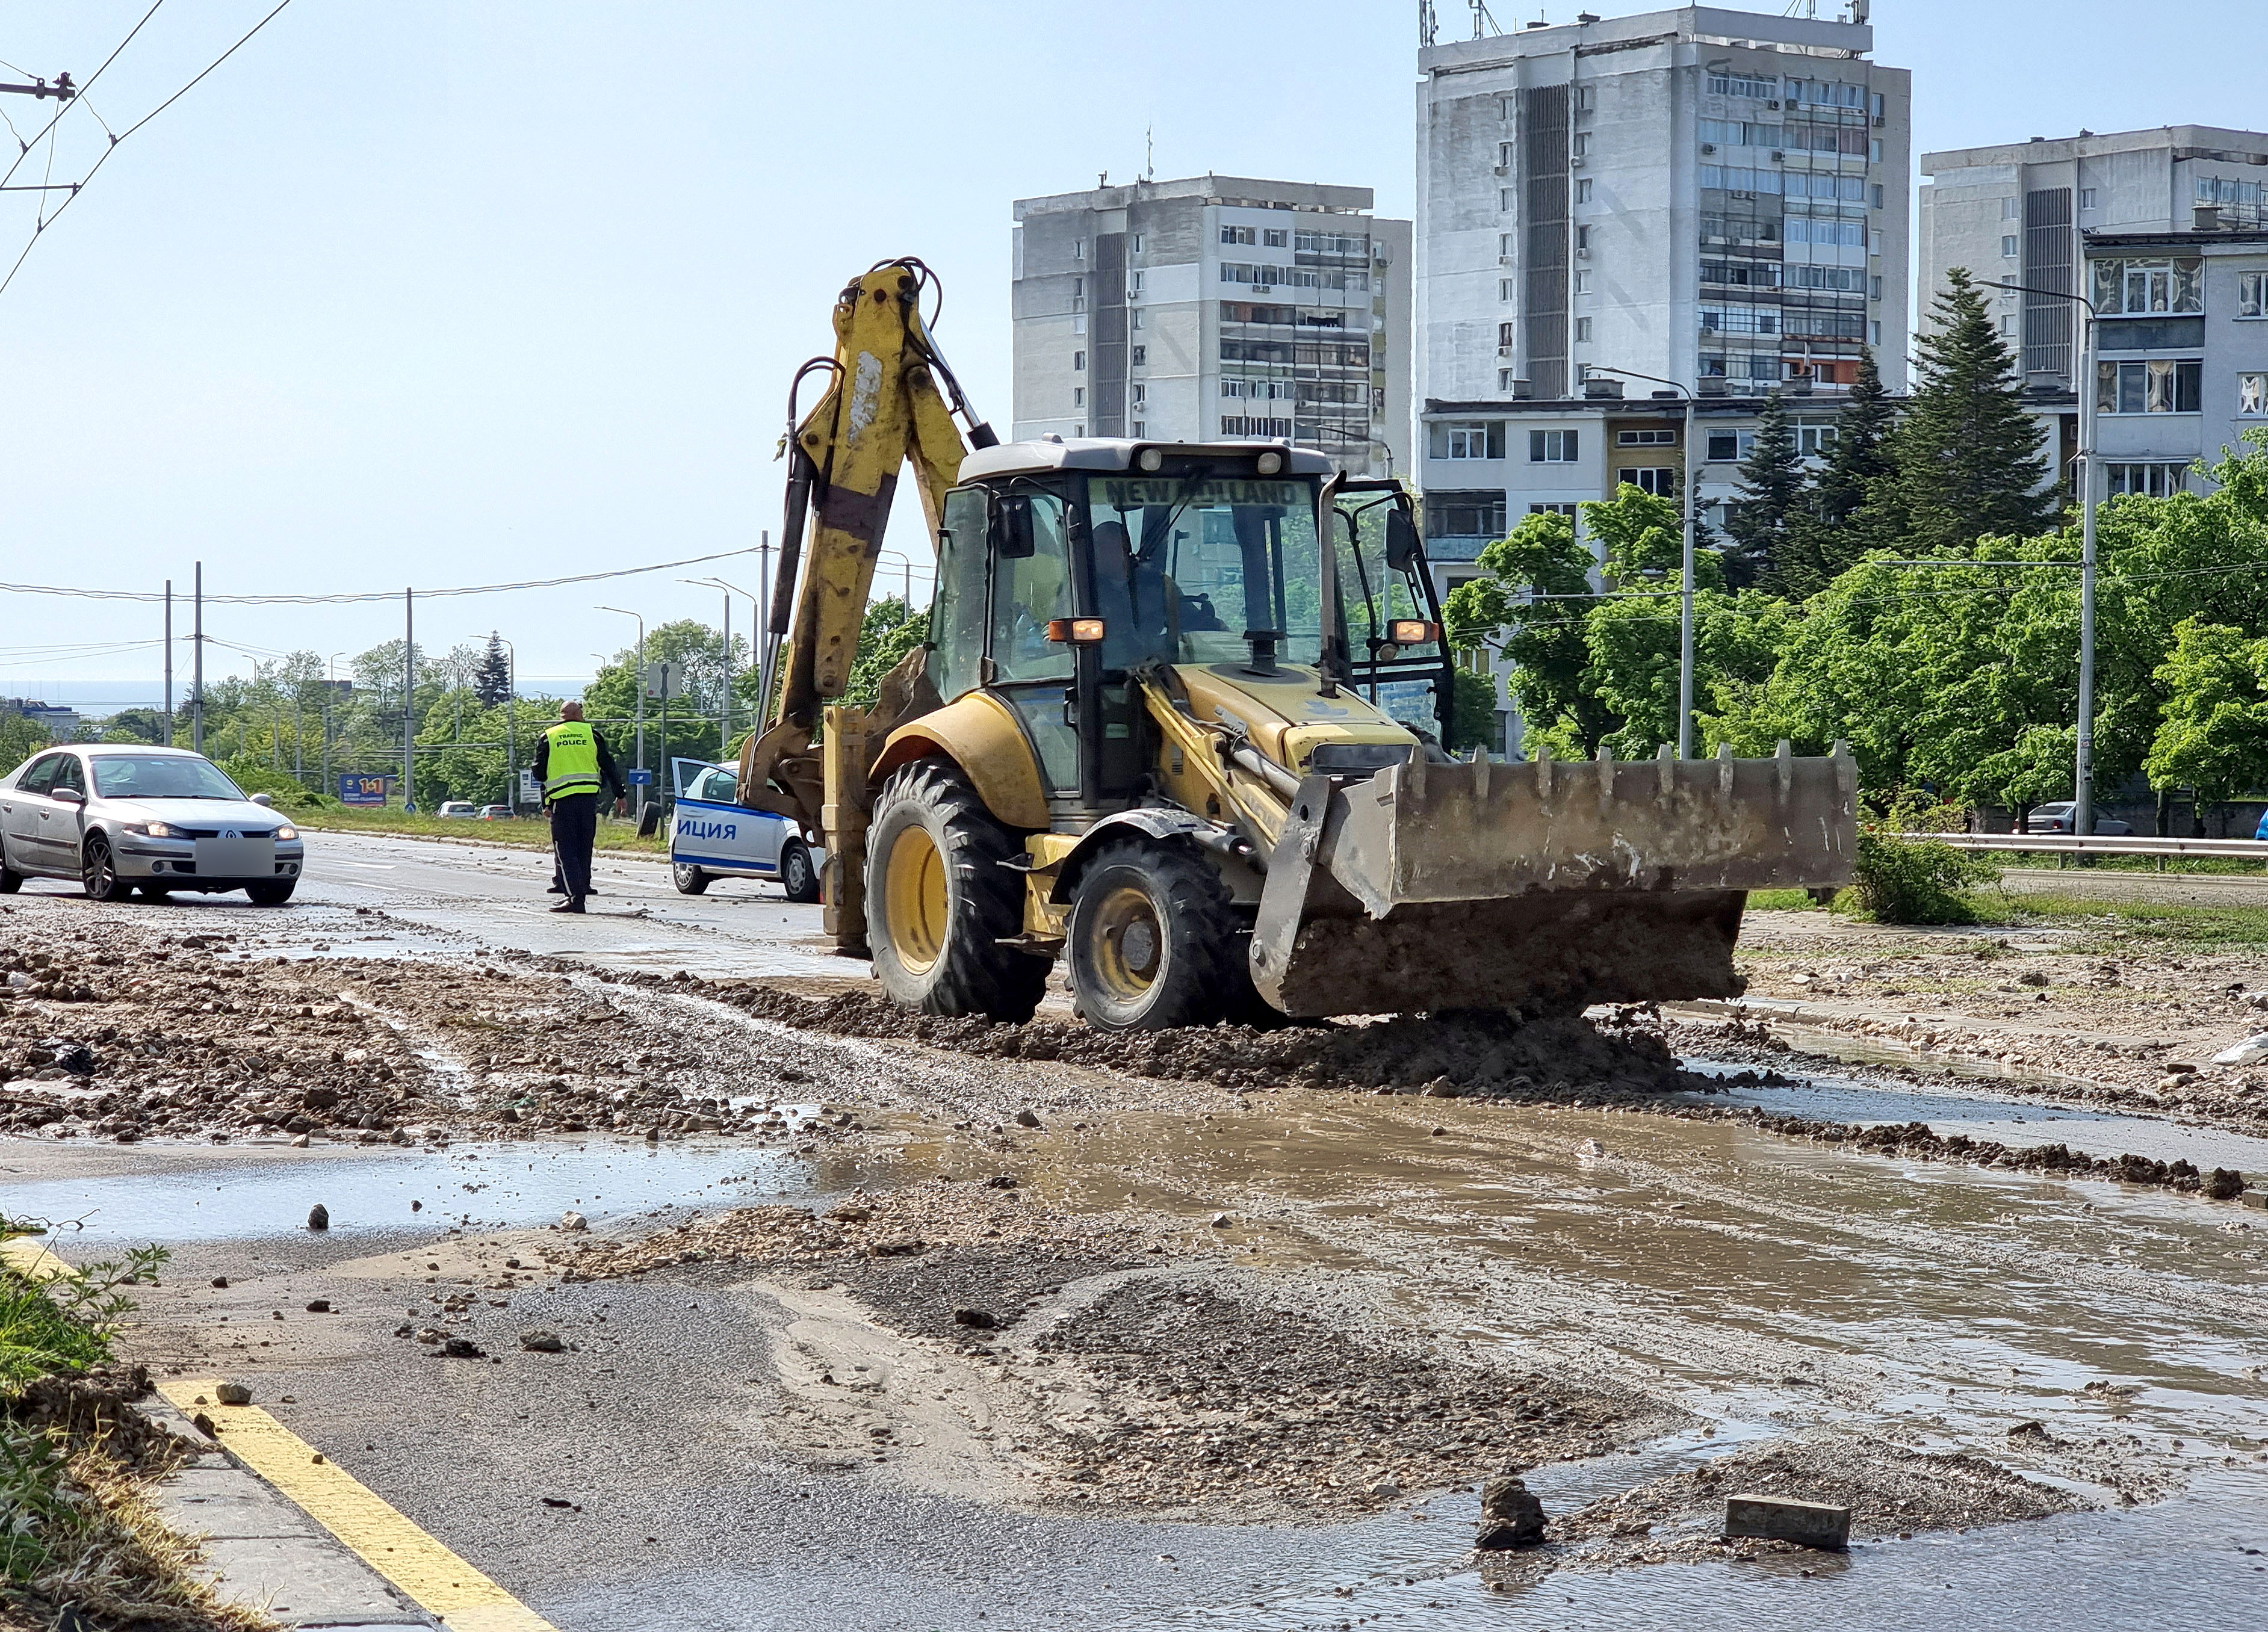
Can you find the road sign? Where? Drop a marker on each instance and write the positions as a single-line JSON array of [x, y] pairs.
[[664, 682], [355, 788], [530, 792], [638, 778]]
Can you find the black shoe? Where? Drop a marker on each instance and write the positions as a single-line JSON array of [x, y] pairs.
[[573, 903], [556, 889]]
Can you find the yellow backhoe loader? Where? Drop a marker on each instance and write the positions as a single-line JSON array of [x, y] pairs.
[[1178, 720]]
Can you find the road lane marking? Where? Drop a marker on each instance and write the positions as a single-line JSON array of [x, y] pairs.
[[438, 1580]]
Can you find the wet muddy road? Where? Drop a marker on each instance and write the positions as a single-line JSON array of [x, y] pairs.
[[1244, 1355]]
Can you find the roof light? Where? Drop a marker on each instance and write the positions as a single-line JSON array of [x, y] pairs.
[[1150, 459], [1412, 632], [1270, 463]]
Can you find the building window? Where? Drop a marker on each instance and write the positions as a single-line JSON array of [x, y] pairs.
[[1582, 283], [1586, 99], [1873, 289], [1814, 440], [1878, 196], [2007, 323], [1138, 396], [1141, 428], [1135, 244], [1134, 319], [2007, 245], [1479, 438], [2253, 294], [1727, 447], [2123, 288], [1078, 396], [2252, 395], [1078, 323], [1237, 235], [1253, 425], [1507, 336], [1077, 288], [1874, 333], [2012, 209], [1582, 238], [1464, 515], [1078, 430], [1506, 288], [1583, 329], [2158, 385], [1136, 282], [1662, 437], [1078, 362], [1504, 195], [1275, 237], [1549, 509], [1756, 87], [1139, 357], [1552, 447], [1583, 191], [1079, 249], [1658, 479], [1581, 145], [2152, 481], [1507, 245], [1504, 109], [2087, 198]]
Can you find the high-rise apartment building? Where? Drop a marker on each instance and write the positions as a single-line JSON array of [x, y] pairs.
[[2179, 213], [1215, 308], [1714, 196]]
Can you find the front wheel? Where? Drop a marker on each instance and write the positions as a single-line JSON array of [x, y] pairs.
[[1153, 941], [798, 877], [690, 879], [939, 902], [270, 894], [99, 870]]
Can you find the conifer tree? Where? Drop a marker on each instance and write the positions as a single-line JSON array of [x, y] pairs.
[[1965, 460], [1771, 486], [492, 679], [1826, 536]]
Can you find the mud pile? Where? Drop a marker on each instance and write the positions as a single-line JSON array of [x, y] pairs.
[[1621, 1059]]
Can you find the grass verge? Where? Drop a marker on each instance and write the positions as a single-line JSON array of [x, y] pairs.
[[2194, 926], [80, 1544], [528, 832]]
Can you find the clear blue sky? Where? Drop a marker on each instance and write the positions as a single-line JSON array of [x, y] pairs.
[[416, 293]]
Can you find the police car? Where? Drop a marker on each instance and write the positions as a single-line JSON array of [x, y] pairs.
[[711, 837]]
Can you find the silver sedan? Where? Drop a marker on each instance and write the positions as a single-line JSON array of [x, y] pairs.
[[119, 818]]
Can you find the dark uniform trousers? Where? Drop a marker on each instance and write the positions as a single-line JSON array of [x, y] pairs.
[[574, 830]]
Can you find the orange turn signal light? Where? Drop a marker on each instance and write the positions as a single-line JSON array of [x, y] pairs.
[[1077, 631], [1412, 632]]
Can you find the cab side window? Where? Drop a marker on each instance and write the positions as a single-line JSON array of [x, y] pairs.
[[1031, 587], [42, 776], [956, 619], [69, 774]]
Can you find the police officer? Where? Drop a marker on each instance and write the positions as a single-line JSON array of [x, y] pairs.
[[572, 762]]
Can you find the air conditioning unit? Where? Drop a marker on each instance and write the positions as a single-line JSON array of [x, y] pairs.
[[1574, 161], [1708, 147], [1502, 170], [1583, 254], [1779, 156], [1880, 120], [1771, 105], [1507, 261]]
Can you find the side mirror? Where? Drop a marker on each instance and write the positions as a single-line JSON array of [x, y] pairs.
[[68, 796], [263, 798], [1012, 526], [1400, 541]]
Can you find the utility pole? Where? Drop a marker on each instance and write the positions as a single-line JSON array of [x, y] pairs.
[[409, 702], [62, 90], [640, 691], [169, 662], [197, 667], [330, 695]]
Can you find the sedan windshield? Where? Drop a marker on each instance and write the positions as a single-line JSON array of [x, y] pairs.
[[160, 777]]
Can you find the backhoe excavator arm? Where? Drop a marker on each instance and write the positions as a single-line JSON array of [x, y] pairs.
[[886, 404]]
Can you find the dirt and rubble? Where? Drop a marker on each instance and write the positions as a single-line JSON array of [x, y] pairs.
[[1893, 1492]]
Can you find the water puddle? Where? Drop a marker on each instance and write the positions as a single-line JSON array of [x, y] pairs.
[[170, 1195]]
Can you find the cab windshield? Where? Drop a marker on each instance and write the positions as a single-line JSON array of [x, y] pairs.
[[160, 777], [1185, 566]]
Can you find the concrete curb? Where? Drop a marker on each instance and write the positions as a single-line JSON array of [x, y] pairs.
[[264, 1552]]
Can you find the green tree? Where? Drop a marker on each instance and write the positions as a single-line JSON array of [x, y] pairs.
[[1824, 536], [1529, 604], [19, 739], [492, 680], [1965, 460], [2214, 733], [1472, 709], [1772, 487]]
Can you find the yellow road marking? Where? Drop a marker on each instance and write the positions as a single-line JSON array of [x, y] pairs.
[[440, 1581]]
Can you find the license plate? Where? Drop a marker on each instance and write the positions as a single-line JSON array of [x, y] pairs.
[[236, 858]]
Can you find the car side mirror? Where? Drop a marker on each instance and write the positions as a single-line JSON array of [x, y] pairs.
[[1012, 526], [263, 798], [1400, 541], [69, 795]]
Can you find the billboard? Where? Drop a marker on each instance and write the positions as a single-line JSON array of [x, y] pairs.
[[356, 788]]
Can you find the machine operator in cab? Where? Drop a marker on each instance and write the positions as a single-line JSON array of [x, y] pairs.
[[572, 764]]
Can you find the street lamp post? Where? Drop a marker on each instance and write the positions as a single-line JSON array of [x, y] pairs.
[[1685, 593], [511, 728], [2082, 813], [330, 695], [756, 610], [640, 690]]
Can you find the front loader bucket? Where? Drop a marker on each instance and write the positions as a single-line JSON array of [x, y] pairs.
[[1539, 886]]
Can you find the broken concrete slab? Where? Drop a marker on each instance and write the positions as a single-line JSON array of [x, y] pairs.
[[1784, 1518]]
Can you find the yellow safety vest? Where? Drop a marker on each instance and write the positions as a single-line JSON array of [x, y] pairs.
[[571, 764]]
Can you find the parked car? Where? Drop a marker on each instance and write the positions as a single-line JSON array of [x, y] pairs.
[[2057, 818], [712, 836], [457, 810], [496, 812], [122, 818]]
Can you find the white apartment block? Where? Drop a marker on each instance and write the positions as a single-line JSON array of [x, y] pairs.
[[1215, 308], [2163, 232]]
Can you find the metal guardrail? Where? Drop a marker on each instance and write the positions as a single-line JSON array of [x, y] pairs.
[[2098, 844]]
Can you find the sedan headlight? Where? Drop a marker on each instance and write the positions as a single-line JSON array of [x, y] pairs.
[[287, 833], [154, 830]]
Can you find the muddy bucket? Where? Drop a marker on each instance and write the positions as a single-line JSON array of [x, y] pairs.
[[1544, 886]]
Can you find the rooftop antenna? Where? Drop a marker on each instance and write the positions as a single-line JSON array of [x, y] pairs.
[[1483, 24], [1427, 23], [1149, 152]]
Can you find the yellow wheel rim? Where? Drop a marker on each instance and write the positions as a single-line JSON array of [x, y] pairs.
[[1129, 944], [914, 897]]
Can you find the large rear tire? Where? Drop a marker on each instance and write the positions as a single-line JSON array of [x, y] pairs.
[[939, 902], [1154, 941]]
